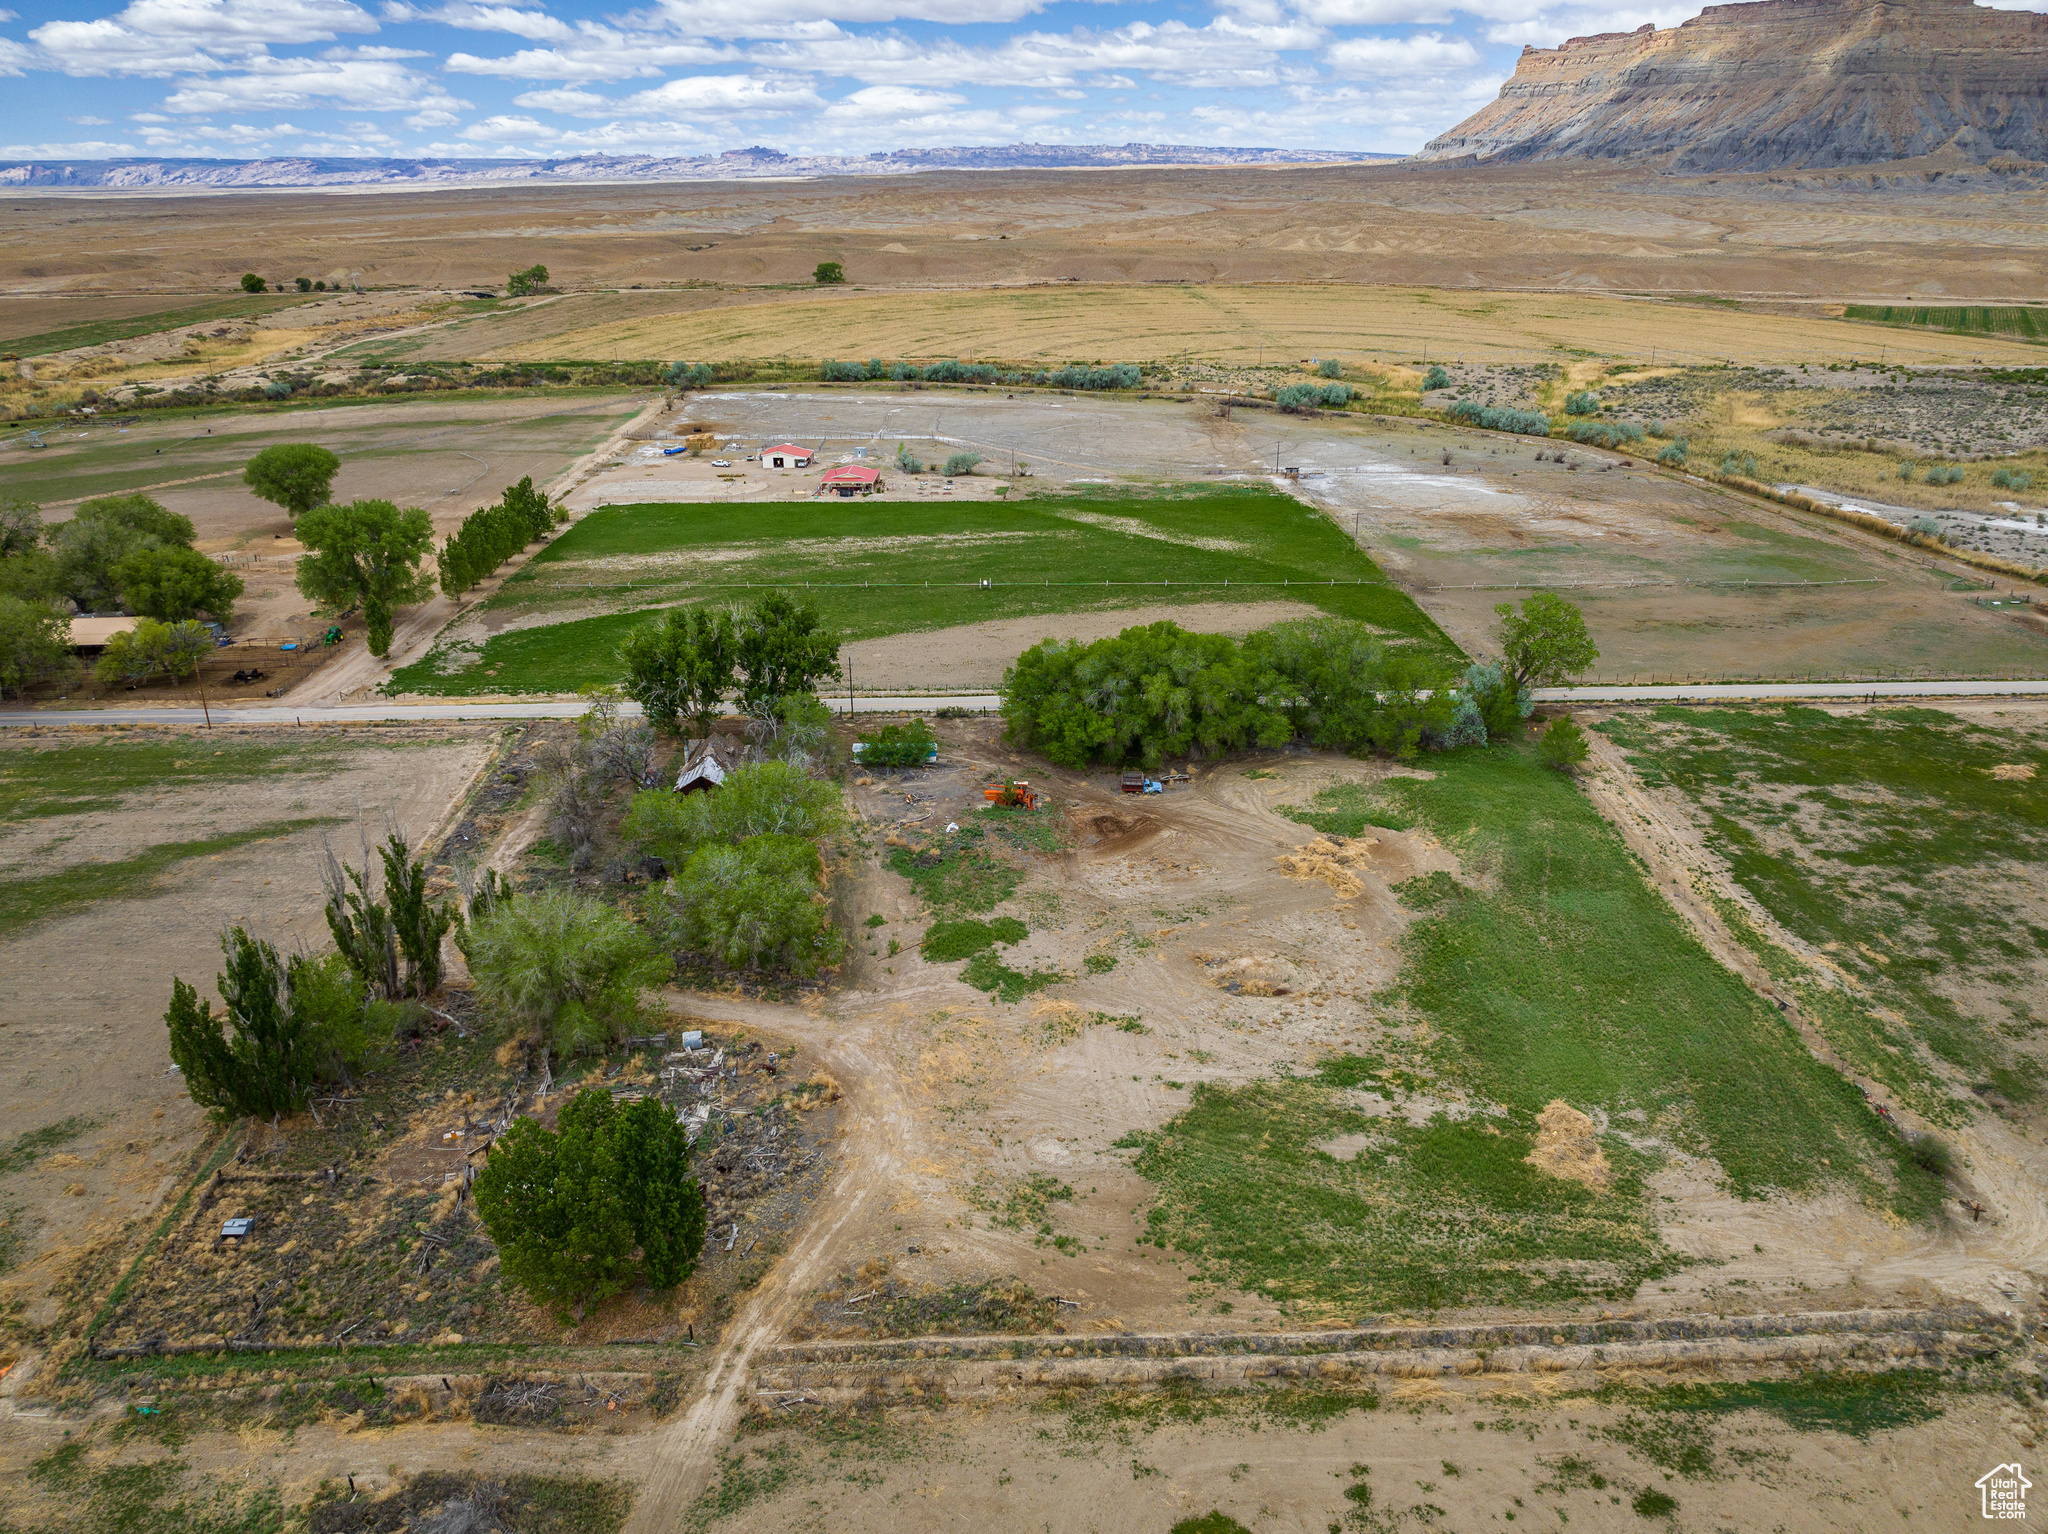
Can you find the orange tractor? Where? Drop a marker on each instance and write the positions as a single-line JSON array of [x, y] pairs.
[[1013, 794]]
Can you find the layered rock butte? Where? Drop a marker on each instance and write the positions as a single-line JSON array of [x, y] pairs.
[[1777, 84]]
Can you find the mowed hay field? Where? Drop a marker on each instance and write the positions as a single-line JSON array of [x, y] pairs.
[[891, 567], [1229, 323]]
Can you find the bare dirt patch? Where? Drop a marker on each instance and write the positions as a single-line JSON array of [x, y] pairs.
[[974, 656], [92, 1044]]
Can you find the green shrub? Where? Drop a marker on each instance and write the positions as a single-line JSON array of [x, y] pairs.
[[751, 905], [1604, 433], [1563, 746], [898, 745], [759, 799], [1674, 455], [1584, 402], [1340, 686], [251, 283], [961, 463], [1147, 694], [1527, 423], [563, 967], [1655, 1504], [828, 272], [566, 1208], [1330, 367], [1436, 378], [1933, 1155], [1307, 396], [949, 941], [1736, 462]]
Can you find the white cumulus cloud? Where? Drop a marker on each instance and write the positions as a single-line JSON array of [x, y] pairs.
[[1376, 57], [282, 85], [165, 37]]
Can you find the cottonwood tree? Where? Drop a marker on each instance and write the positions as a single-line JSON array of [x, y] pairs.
[[1545, 643], [295, 475], [531, 280], [89, 549], [366, 554], [681, 665], [35, 643], [782, 651], [177, 583]]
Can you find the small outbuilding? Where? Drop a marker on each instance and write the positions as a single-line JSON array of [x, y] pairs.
[[852, 479], [787, 456], [706, 764]]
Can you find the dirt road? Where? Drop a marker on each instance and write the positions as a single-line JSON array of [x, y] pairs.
[[874, 1158]]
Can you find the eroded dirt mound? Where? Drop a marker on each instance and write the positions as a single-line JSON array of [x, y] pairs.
[[1568, 1146]]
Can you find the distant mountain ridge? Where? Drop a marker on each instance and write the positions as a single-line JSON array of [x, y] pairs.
[[734, 165], [1777, 84]]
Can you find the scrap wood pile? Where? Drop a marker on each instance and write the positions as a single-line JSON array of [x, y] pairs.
[[871, 1303], [746, 1110]]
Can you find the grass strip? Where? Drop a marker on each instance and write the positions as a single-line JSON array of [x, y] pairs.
[[38, 781], [140, 877], [1902, 844], [98, 332]]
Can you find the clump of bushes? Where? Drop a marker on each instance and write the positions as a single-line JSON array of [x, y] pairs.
[[1159, 691], [1308, 396], [1584, 402], [748, 891], [689, 375], [1736, 462], [961, 463], [489, 537], [1122, 375], [1527, 423], [898, 745], [1604, 433], [1673, 456], [2012, 479], [1330, 367], [1436, 378]]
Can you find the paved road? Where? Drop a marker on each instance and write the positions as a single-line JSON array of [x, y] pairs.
[[372, 713], [569, 708]]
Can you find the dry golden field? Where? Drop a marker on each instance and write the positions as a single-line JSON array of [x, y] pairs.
[[1238, 324]]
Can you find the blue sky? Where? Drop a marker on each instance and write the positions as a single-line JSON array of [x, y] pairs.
[[241, 79]]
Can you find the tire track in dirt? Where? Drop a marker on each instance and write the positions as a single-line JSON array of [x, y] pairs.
[[876, 1142]]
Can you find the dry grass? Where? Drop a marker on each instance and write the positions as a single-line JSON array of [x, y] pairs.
[[1242, 323]]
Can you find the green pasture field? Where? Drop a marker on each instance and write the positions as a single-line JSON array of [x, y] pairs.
[[97, 332], [2013, 320], [1885, 841], [1559, 973], [888, 567]]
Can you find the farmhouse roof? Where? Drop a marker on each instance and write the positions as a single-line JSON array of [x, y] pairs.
[[705, 764], [852, 474], [788, 448], [88, 632]]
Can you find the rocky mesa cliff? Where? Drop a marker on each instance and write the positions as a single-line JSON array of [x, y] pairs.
[[1776, 84]]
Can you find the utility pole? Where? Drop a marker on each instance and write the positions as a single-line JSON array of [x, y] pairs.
[[849, 687]]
